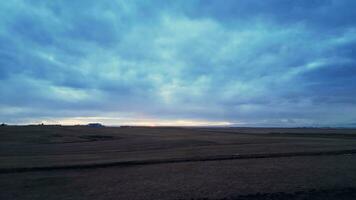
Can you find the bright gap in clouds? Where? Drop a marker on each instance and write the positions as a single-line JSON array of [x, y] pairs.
[[132, 122]]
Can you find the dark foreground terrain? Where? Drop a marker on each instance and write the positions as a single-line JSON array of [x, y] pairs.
[[77, 162]]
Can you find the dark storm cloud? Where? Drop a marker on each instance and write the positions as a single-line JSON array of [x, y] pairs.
[[244, 62]]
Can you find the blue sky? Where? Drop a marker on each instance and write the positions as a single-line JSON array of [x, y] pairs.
[[208, 62]]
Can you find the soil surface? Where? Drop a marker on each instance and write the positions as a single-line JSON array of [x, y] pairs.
[[78, 162]]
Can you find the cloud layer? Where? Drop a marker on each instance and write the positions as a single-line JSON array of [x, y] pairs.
[[246, 62]]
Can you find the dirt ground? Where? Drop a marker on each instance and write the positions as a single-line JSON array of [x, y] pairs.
[[77, 162]]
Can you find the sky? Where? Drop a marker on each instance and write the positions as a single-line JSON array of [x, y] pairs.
[[175, 62]]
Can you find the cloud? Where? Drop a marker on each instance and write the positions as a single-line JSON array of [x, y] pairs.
[[240, 62]]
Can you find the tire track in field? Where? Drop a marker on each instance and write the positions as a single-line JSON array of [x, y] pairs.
[[176, 160]]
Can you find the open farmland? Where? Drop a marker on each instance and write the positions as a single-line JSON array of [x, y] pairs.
[[79, 162]]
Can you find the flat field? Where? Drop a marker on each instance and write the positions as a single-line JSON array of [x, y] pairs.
[[79, 162]]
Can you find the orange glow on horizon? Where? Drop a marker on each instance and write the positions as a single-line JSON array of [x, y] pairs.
[[116, 121]]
